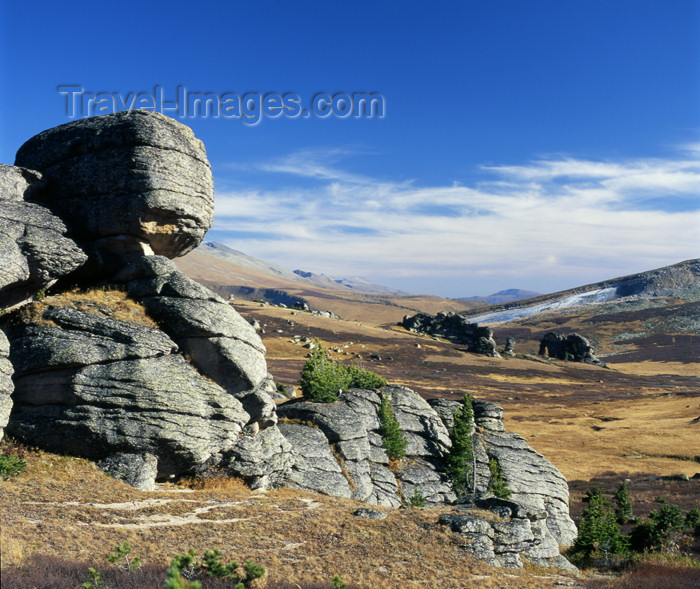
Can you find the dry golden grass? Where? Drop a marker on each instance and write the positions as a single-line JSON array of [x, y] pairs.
[[659, 368], [112, 303], [299, 537], [651, 435]]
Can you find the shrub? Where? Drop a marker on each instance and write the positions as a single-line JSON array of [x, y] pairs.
[[497, 485], [174, 580], [95, 581], [338, 583], [598, 531], [661, 531], [461, 456], [121, 558], [11, 465], [393, 439], [664, 533], [364, 379], [211, 565], [322, 378], [417, 499], [692, 521]]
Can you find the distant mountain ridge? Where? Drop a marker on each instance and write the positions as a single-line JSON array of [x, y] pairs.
[[503, 296], [299, 276], [356, 283], [678, 280]]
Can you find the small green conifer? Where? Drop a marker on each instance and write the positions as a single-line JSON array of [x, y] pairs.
[[393, 439], [459, 460]]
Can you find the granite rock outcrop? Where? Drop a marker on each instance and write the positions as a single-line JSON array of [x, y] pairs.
[[180, 379], [572, 347], [452, 326], [92, 386], [338, 451]]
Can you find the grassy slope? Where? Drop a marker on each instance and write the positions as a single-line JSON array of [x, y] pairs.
[[64, 506]]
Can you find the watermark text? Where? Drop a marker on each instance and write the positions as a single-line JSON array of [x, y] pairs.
[[249, 107]]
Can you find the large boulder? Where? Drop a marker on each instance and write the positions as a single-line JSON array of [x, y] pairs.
[[573, 347], [128, 183], [536, 486], [338, 450], [93, 386], [536, 483], [33, 246], [505, 537]]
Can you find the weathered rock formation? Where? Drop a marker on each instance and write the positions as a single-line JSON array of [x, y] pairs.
[[511, 533], [129, 183], [35, 251], [220, 343], [509, 348], [180, 385], [89, 385], [539, 494], [573, 347], [454, 327], [338, 451]]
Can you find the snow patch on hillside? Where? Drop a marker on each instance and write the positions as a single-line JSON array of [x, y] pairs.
[[602, 295]]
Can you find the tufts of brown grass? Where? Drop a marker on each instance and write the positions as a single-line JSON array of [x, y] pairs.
[[649, 368], [103, 302], [66, 510], [43, 571], [216, 482]]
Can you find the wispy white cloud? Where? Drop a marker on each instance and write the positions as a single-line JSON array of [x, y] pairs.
[[532, 225]]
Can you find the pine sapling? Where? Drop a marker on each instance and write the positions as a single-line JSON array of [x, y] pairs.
[[393, 439], [623, 504], [460, 459]]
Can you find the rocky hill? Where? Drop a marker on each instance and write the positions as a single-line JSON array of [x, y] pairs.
[[680, 280], [130, 363]]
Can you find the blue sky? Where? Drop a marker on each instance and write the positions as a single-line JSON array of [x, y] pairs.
[[539, 144]]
